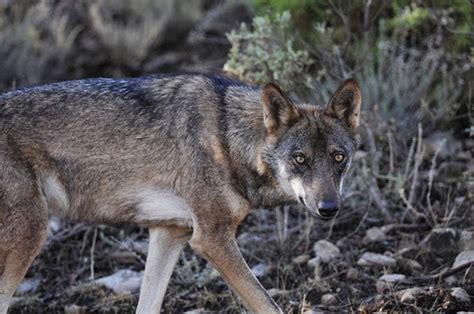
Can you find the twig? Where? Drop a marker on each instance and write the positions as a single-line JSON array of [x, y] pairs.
[[416, 167], [404, 227], [430, 181], [390, 147], [443, 274], [65, 234], [94, 239], [411, 151], [379, 200]]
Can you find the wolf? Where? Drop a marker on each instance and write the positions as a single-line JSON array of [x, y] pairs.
[[186, 155]]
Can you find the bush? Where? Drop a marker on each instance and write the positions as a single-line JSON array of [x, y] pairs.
[[268, 53]]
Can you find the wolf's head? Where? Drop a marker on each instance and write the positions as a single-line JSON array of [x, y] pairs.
[[310, 149]]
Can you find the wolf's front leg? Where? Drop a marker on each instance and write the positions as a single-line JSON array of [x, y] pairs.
[[221, 250], [166, 243]]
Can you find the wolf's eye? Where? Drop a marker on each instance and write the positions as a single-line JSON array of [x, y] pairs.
[[300, 159], [338, 157]]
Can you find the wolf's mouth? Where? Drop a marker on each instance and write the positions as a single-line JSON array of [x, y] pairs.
[[302, 201], [326, 214]]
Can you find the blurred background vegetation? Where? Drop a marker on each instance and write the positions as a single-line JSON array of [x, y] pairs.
[[414, 60]]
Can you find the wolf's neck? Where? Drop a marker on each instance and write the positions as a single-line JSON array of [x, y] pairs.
[[245, 131], [246, 137]]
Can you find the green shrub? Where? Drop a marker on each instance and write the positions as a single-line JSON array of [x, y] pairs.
[[267, 53]]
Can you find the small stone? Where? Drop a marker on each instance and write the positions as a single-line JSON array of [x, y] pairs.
[[353, 274], [374, 234], [467, 240], [326, 250], [54, 225], [312, 311], [463, 258], [205, 276], [328, 299], [248, 237], [274, 292], [260, 270], [123, 281], [413, 265], [443, 241], [196, 311], [460, 295], [388, 282], [314, 262], [410, 295], [140, 247], [300, 260], [408, 266], [74, 309], [375, 259], [28, 286], [14, 301]]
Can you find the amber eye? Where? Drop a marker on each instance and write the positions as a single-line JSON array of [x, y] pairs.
[[338, 157], [300, 159]]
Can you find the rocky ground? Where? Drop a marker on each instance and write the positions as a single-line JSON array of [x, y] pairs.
[[353, 263]]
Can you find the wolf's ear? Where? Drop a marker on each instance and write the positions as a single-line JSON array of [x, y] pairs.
[[345, 104], [278, 110]]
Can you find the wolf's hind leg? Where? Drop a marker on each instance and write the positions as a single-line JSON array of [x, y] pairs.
[[25, 239], [23, 226], [166, 243]]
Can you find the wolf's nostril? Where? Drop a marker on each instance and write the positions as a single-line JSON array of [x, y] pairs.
[[328, 208]]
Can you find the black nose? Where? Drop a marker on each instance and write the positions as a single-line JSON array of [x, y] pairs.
[[328, 208]]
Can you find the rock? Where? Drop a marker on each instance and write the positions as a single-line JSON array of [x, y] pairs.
[[328, 299], [388, 282], [14, 301], [326, 251], [312, 311], [54, 225], [353, 274], [442, 241], [260, 270], [408, 266], [375, 259], [374, 234], [204, 277], [274, 292], [196, 311], [123, 281], [442, 142], [140, 246], [467, 240], [463, 258], [124, 257], [314, 262], [74, 309], [300, 260], [461, 295], [410, 295], [28, 286], [247, 237], [413, 265]]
